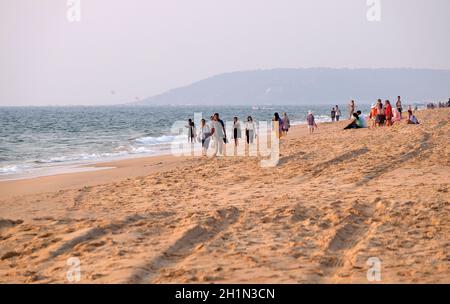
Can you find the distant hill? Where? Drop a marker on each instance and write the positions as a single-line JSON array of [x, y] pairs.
[[310, 86]]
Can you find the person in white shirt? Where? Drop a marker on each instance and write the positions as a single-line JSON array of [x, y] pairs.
[[204, 136], [218, 135], [250, 130], [236, 131]]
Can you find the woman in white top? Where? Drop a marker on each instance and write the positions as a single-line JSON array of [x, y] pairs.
[[250, 130], [218, 135], [204, 136], [236, 131]]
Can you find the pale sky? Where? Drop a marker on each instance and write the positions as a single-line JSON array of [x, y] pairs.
[[121, 49]]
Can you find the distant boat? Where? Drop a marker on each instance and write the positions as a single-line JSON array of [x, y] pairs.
[[255, 108]]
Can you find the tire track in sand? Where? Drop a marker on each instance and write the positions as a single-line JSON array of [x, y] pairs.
[[184, 245]]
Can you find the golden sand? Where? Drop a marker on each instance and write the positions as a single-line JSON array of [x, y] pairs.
[[336, 199]]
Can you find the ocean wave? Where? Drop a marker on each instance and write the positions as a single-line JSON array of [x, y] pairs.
[[12, 169], [150, 140]]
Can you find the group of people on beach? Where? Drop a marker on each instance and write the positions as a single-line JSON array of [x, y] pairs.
[[213, 132], [381, 114], [444, 104]]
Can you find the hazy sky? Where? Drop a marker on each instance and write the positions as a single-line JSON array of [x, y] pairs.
[[121, 50]]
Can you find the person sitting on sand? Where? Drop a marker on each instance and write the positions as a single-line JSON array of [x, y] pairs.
[[236, 131], [362, 118], [204, 136], [355, 124], [412, 120], [311, 122]]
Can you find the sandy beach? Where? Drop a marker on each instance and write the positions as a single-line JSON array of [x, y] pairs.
[[336, 199]]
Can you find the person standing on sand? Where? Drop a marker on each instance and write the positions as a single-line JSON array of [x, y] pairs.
[[286, 124], [250, 130], [338, 113], [380, 114], [333, 114], [373, 115], [351, 109], [398, 105], [191, 131], [217, 118], [236, 131], [311, 122], [277, 124], [217, 132], [388, 112], [204, 136]]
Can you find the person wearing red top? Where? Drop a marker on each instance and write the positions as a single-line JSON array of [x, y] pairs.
[[388, 112]]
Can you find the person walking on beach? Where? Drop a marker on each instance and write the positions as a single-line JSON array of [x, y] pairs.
[[250, 130], [311, 122], [286, 124], [217, 132], [217, 118], [191, 131], [236, 131], [277, 124], [204, 136], [338, 113], [333, 114], [388, 112], [351, 109], [398, 105]]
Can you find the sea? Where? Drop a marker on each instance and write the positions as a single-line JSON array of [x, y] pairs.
[[36, 141]]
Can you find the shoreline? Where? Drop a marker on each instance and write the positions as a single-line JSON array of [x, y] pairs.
[[104, 171]]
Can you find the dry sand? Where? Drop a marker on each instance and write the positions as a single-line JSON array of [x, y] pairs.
[[336, 199]]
